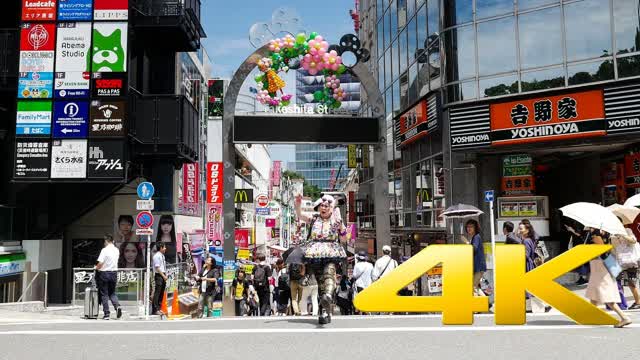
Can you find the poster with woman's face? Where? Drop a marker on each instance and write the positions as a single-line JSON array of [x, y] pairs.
[[165, 231], [131, 255]]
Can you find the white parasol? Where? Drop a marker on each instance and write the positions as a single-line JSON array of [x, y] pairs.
[[633, 201], [594, 216], [628, 214]]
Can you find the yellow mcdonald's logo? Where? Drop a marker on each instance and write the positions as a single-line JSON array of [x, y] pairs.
[[424, 195], [241, 196]]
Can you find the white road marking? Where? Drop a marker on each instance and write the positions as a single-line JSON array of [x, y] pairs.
[[306, 331]]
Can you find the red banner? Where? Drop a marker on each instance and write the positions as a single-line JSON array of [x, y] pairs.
[[111, 9], [632, 170], [214, 182], [242, 238], [38, 10], [38, 37], [190, 188]]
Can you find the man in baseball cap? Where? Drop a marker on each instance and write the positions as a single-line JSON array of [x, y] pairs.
[[384, 265]]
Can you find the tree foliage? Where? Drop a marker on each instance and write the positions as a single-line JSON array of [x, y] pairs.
[[310, 190]]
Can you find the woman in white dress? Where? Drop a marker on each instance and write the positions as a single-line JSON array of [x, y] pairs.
[[602, 287]]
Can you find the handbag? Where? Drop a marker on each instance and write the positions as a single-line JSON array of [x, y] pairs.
[[612, 265], [627, 255]]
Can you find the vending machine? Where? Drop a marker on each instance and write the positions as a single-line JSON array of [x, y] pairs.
[[517, 208]]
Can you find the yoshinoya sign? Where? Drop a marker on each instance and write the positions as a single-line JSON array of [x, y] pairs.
[[73, 47], [38, 10], [70, 119], [622, 109], [417, 122], [109, 84], [106, 159], [32, 159], [567, 116], [69, 159], [34, 118], [107, 118]]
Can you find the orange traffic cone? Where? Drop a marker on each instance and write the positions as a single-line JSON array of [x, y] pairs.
[[175, 304], [164, 308]]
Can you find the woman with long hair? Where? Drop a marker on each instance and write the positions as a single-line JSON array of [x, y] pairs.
[[167, 234], [324, 250], [602, 287], [208, 284], [130, 256]]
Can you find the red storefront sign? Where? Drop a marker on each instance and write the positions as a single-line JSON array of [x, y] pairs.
[[413, 124], [190, 188], [38, 37], [214, 183], [242, 238], [632, 170], [569, 116], [518, 185], [111, 9], [38, 10]]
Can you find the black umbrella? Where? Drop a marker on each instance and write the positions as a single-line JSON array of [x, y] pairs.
[[293, 255]]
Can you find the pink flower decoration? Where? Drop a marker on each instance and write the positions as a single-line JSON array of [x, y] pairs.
[[276, 45], [312, 64], [263, 97], [286, 97], [288, 42], [332, 60], [318, 47]]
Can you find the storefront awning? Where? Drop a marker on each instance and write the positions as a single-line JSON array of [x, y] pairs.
[[277, 248]]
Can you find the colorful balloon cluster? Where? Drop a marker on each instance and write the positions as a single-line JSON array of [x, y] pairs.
[[312, 54]]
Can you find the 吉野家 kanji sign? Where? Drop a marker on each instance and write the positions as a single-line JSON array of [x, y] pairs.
[[214, 182], [568, 116]]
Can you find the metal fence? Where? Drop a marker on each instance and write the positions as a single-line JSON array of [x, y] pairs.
[[130, 285]]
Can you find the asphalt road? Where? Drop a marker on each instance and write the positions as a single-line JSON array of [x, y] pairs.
[[353, 338]]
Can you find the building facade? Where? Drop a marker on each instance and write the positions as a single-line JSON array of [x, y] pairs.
[[128, 104], [535, 99]]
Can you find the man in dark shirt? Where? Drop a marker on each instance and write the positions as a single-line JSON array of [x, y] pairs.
[[507, 230], [261, 274]]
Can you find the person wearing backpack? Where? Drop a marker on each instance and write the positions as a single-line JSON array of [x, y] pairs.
[[284, 288], [260, 276], [296, 275], [384, 265]]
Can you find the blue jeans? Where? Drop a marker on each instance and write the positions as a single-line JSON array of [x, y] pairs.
[[107, 287]]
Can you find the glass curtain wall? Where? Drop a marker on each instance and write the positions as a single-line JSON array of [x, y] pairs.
[[504, 47]]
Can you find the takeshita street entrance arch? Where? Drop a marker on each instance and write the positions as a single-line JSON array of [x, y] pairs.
[[310, 129]]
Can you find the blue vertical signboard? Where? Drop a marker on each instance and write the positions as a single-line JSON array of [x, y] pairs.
[[70, 119], [75, 10]]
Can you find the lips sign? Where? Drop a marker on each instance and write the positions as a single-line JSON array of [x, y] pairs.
[[262, 201]]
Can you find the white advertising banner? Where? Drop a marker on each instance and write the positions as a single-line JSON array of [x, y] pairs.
[[69, 159], [36, 61], [73, 47]]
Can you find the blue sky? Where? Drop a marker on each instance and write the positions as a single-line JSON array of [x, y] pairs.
[[227, 26]]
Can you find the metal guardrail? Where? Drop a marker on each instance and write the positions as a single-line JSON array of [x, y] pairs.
[[130, 285]]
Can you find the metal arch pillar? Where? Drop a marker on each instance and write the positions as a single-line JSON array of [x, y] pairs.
[[381, 175]]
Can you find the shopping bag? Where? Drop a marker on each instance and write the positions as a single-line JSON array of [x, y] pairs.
[[612, 265]]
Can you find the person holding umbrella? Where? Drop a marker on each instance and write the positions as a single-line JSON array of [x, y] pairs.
[[601, 224], [479, 261]]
